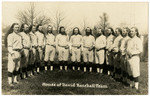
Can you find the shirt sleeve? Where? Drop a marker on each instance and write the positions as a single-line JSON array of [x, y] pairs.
[[10, 43], [93, 40]]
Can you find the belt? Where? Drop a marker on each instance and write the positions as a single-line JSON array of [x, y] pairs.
[[135, 55], [18, 50], [34, 47], [26, 48], [101, 49], [40, 46], [76, 46], [85, 47]]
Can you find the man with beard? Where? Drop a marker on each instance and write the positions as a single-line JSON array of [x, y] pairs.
[[76, 43], [134, 49], [116, 53], [100, 45], [109, 57], [123, 47], [33, 53], [62, 47], [88, 46], [25, 66], [50, 48], [40, 47]]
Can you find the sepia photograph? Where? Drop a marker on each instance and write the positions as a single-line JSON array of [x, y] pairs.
[[74, 48]]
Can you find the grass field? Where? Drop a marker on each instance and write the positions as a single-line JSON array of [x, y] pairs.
[[33, 85]]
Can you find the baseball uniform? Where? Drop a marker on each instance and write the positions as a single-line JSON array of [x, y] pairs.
[[40, 47], [62, 41], [109, 54], [134, 47], [101, 44], [26, 47], [116, 56], [14, 43], [33, 53], [123, 61], [49, 50], [88, 41], [76, 44]]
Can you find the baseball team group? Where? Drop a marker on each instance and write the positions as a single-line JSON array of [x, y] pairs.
[[32, 52]]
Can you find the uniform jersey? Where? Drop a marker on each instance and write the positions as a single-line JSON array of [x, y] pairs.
[[76, 40], [14, 41], [25, 39], [62, 40], [109, 42], [100, 54], [50, 39], [134, 47], [49, 50], [100, 42], [116, 44], [88, 41], [33, 38], [123, 44], [40, 39]]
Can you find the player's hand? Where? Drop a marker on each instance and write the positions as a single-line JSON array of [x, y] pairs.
[[54, 45], [109, 49], [90, 48], [66, 47]]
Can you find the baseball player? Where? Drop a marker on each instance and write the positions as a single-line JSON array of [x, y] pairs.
[[33, 53], [62, 47], [25, 67], [76, 44], [50, 48], [40, 47], [123, 61], [13, 42], [109, 57], [116, 53], [134, 48], [88, 46], [100, 45]]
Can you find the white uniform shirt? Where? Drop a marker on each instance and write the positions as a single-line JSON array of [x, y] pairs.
[[25, 39], [33, 39], [100, 42], [62, 40], [76, 40], [88, 41], [50, 39], [116, 44], [134, 46], [123, 45], [109, 42], [14, 41], [40, 38]]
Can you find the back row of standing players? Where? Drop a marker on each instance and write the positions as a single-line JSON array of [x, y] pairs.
[[120, 49]]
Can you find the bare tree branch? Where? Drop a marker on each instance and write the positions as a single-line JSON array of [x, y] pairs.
[[32, 16]]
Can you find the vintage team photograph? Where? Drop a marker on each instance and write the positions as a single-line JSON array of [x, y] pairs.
[[74, 48]]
